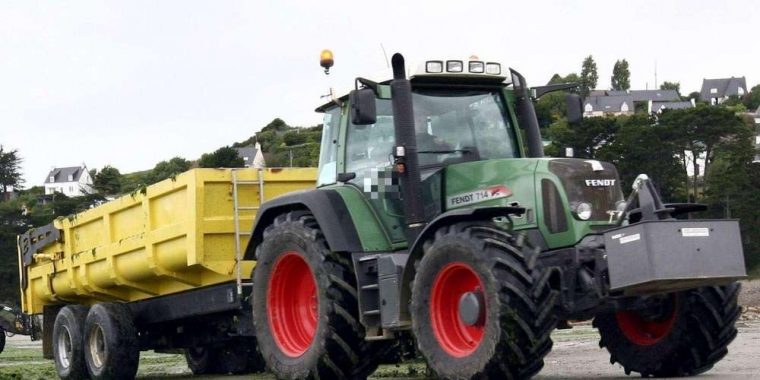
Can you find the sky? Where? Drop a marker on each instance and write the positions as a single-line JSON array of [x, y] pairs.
[[131, 83]]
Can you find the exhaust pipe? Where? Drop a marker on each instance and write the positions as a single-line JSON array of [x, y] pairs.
[[405, 153]]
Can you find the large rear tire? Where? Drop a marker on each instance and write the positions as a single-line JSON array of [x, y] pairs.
[[305, 307], [68, 342], [111, 348], [480, 311], [687, 337]]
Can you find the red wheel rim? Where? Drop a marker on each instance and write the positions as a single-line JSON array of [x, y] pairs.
[[292, 304], [645, 332], [454, 336]]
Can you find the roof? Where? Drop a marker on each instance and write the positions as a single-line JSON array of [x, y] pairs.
[[62, 174], [719, 88], [609, 103], [659, 106], [247, 153], [655, 95]]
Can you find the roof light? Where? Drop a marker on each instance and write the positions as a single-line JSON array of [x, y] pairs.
[[326, 60], [454, 66], [493, 68], [477, 67], [434, 66]]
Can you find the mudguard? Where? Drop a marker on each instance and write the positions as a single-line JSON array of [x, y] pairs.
[[328, 208]]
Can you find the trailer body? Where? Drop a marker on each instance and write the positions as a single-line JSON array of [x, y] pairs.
[[159, 251]]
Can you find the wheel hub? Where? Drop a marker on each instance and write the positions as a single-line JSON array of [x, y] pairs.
[[471, 308], [644, 329], [292, 304], [457, 309]]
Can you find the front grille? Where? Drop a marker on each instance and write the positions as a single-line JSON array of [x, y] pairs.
[[555, 216], [600, 188]]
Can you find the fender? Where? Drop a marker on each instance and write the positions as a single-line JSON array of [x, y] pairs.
[[328, 208], [449, 217]]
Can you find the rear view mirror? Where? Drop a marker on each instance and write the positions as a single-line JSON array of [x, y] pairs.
[[574, 108], [362, 104]]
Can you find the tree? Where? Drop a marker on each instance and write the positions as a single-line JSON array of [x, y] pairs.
[[224, 157], [621, 76], [108, 181], [671, 86], [752, 99], [10, 170], [589, 76], [698, 132], [168, 169]]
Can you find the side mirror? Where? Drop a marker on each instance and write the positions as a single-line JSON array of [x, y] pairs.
[[574, 108], [362, 104]]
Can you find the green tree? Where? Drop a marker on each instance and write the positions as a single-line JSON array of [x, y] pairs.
[[224, 157], [733, 189], [589, 76], [10, 170], [621, 76], [168, 169], [553, 106], [586, 138], [108, 181], [698, 132], [671, 86], [752, 99]]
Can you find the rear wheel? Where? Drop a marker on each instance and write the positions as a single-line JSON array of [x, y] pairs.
[[110, 341], [240, 357], [68, 342], [683, 336], [2, 340], [479, 309], [201, 360], [305, 305]]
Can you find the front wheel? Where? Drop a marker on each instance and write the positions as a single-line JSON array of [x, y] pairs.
[[305, 307], [479, 309], [685, 335]]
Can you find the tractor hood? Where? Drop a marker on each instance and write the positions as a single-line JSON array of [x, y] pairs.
[[564, 198]]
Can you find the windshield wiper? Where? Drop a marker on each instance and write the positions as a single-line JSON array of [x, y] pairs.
[[448, 151]]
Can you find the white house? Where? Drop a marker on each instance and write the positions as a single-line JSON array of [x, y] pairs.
[[252, 156], [716, 91], [72, 181]]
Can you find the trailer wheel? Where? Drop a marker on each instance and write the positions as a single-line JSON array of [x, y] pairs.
[[478, 308], [110, 340], [201, 360], [305, 307], [68, 342], [687, 336]]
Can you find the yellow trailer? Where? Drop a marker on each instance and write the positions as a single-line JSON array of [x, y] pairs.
[[164, 267]]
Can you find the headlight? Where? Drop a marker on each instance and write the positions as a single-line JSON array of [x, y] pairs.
[[493, 68], [454, 66], [434, 66], [582, 210], [477, 67]]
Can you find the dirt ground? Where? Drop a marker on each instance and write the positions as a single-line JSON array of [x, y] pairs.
[[576, 355]]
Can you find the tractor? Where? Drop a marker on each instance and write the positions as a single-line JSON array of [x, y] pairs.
[[437, 218]]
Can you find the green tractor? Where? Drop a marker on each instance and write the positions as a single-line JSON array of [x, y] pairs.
[[437, 217]]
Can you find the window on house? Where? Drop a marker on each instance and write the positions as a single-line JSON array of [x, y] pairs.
[[52, 178], [624, 108], [71, 177], [589, 107], [713, 90]]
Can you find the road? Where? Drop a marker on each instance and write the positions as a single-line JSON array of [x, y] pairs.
[[576, 355]]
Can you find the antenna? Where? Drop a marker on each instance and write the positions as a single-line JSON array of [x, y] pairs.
[[655, 75], [387, 64]]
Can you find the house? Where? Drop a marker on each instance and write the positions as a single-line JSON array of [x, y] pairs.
[[620, 102], [657, 107], [594, 106], [716, 91], [71, 181], [252, 156]]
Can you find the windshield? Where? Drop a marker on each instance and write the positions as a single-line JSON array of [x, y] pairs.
[[451, 127], [466, 125]]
